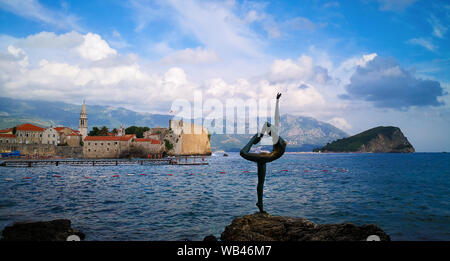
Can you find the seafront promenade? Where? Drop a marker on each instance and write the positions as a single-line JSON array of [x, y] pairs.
[[102, 162]]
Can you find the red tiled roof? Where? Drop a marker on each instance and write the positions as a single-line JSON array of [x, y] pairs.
[[73, 133], [109, 138], [59, 129], [153, 141], [7, 136], [29, 127], [6, 130]]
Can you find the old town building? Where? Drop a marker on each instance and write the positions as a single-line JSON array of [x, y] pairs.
[[50, 136], [29, 134], [107, 146]]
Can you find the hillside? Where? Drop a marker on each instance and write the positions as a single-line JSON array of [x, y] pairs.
[[379, 139], [44, 113], [301, 133]]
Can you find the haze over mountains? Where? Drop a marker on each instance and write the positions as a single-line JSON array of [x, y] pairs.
[[301, 133]]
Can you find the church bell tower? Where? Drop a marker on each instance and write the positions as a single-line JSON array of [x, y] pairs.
[[82, 126]]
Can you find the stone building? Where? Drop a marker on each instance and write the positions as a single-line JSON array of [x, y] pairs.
[[7, 138], [50, 136], [143, 147], [107, 146], [29, 134], [155, 133], [69, 137]]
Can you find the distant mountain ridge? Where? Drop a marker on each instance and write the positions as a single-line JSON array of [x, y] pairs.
[[47, 113], [301, 133]]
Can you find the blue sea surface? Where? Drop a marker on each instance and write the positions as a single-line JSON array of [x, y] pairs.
[[407, 195]]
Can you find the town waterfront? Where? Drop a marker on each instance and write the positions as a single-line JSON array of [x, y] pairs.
[[407, 195]]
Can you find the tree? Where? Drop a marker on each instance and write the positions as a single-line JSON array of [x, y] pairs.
[[14, 131], [94, 131], [103, 131], [138, 131]]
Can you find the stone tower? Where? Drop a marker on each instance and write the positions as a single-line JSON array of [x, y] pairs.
[[82, 127]]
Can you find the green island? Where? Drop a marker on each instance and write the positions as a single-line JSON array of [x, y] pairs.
[[378, 139]]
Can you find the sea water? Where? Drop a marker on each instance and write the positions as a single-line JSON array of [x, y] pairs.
[[407, 195]]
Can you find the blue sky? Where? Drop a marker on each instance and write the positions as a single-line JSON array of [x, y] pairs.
[[359, 63]]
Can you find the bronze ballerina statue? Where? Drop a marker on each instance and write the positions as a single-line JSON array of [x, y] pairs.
[[279, 146]]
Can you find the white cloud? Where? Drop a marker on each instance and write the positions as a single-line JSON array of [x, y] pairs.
[[395, 5], [94, 48], [340, 123], [15, 51], [213, 24], [303, 23], [195, 56], [302, 69], [439, 30], [422, 42], [32, 9]]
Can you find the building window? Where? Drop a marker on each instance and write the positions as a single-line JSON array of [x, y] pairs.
[[89, 150], [107, 149], [53, 135], [89, 143], [109, 143], [101, 143], [41, 135], [95, 144], [49, 135], [115, 142]]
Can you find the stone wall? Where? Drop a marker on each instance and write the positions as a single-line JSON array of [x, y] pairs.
[[69, 152], [43, 150]]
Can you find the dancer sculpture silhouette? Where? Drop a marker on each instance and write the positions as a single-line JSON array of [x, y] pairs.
[[279, 146]]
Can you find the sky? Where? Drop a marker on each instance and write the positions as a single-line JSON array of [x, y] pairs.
[[355, 64]]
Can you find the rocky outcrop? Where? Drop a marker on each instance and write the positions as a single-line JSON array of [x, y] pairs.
[[264, 227], [379, 139], [55, 230]]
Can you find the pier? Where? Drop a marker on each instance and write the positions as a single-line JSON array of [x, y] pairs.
[[24, 163]]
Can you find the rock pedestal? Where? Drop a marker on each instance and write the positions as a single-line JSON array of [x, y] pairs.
[[264, 227]]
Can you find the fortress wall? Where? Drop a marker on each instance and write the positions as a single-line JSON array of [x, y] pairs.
[[43, 150], [195, 144]]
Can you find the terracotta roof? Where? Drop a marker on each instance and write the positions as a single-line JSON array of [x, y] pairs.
[[6, 130], [59, 129], [29, 127], [73, 133], [153, 141], [7, 136], [109, 138]]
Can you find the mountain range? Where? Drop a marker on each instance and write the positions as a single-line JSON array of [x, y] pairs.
[[301, 133]]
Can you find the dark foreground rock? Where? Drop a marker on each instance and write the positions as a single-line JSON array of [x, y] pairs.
[[55, 230], [264, 227]]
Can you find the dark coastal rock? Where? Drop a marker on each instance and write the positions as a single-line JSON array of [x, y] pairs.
[[264, 227], [210, 238], [54, 230]]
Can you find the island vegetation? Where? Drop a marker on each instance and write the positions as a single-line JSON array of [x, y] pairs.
[[379, 139]]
